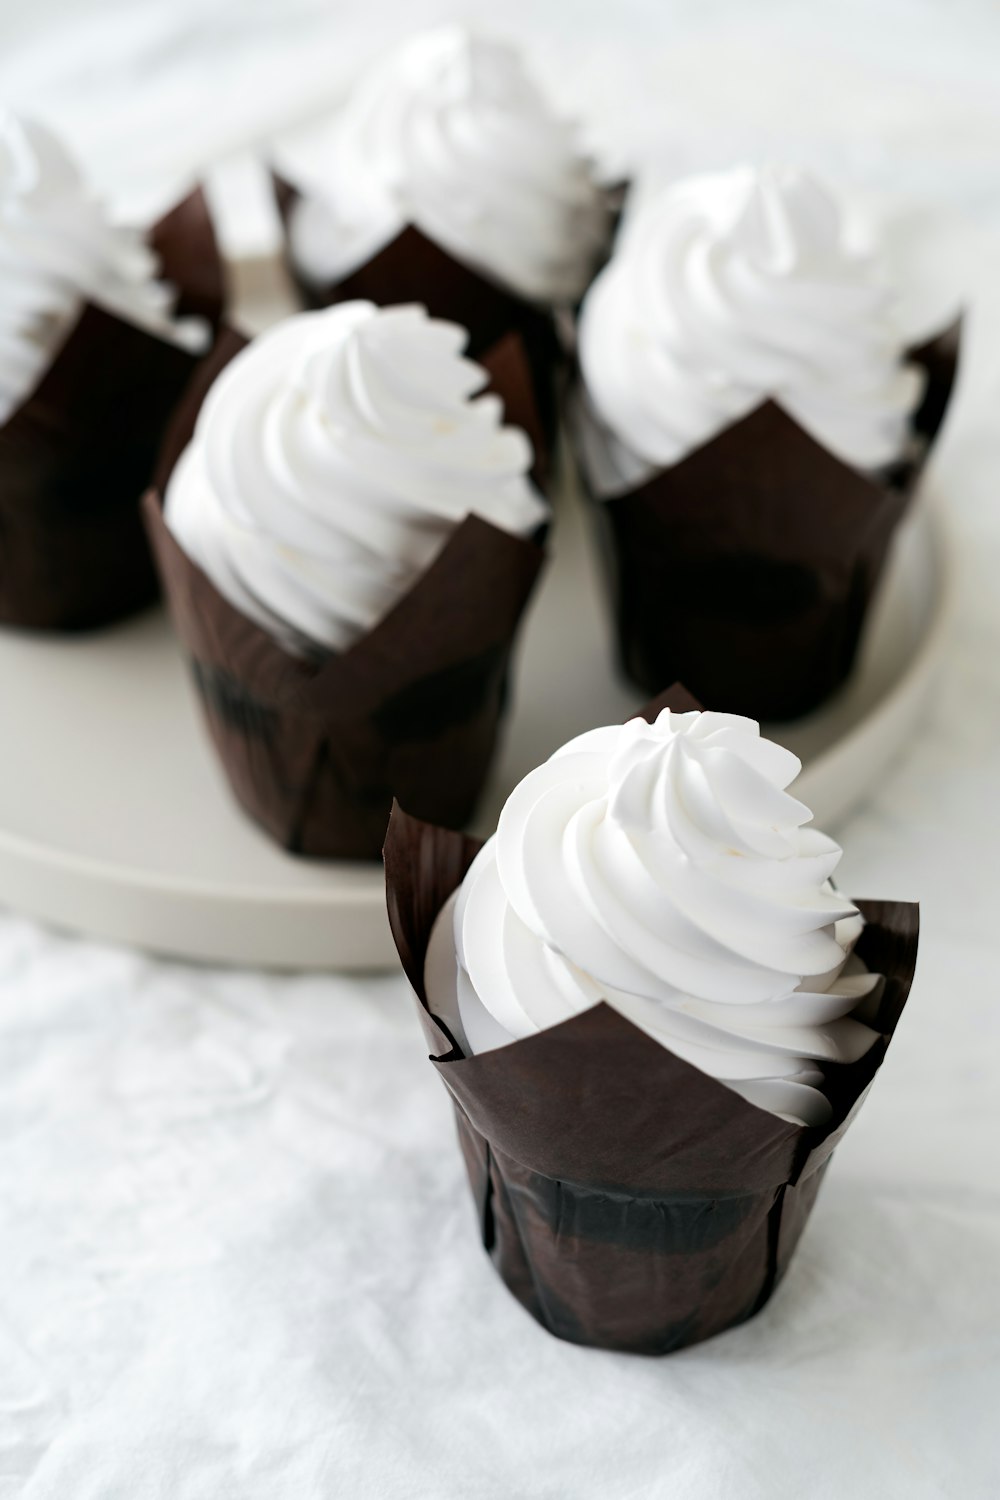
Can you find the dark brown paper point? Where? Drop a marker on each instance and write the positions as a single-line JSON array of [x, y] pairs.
[[938, 358], [184, 239], [77, 454], [315, 751], [748, 567], [626, 1199]]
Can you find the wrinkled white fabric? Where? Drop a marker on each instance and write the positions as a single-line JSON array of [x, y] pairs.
[[237, 1256]]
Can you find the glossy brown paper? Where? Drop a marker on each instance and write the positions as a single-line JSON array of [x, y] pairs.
[[627, 1200], [747, 569], [76, 456], [413, 268], [315, 751]]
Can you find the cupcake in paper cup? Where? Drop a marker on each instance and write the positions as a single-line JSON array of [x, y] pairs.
[[101, 330], [752, 425], [448, 180], [347, 535], [656, 1017]]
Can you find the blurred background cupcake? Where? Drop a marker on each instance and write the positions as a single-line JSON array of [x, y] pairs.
[[752, 422], [347, 543], [449, 180], [100, 330]]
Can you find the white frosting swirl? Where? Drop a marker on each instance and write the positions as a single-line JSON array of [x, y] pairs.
[[665, 869], [726, 290], [58, 250], [449, 134], [332, 459]]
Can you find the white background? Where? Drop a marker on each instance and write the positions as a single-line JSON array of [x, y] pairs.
[[236, 1254]]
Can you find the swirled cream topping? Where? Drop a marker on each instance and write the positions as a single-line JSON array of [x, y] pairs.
[[448, 133], [57, 251], [730, 289], [665, 869], [332, 459]]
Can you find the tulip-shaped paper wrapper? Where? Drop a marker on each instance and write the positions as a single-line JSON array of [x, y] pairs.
[[628, 1200]]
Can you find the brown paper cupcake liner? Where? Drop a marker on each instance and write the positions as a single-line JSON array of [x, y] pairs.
[[747, 569], [413, 268], [627, 1200], [76, 456], [314, 752]]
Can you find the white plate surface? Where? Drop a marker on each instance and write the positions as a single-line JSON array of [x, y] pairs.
[[116, 821]]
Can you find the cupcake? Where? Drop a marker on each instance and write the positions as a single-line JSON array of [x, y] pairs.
[[449, 181], [753, 425], [100, 332], [347, 538], [656, 1016]]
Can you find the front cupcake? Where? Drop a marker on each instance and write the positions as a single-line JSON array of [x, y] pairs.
[[753, 423], [448, 180], [656, 1016], [95, 350], [347, 543]]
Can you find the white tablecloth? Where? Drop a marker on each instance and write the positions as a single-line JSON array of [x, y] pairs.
[[236, 1253]]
